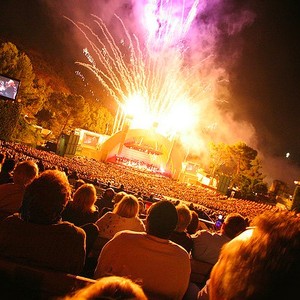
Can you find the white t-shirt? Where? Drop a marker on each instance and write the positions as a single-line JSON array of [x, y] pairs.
[[207, 245], [111, 223], [162, 266]]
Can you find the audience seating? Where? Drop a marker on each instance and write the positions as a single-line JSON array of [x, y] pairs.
[[19, 281]]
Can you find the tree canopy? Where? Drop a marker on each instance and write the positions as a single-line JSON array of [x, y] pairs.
[[58, 110], [241, 164]]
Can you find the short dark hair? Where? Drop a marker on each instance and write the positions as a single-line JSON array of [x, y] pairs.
[[2, 157], [46, 197], [8, 165], [25, 172], [162, 219], [234, 224]]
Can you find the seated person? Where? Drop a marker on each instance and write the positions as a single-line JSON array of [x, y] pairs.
[[105, 202], [82, 209], [118, 197], [37, 236], [161, 265], [6, 174], [194, 224], [180, 235], [124, 216], [261, 263], [82, 212], [111, 287], [207, 245], [2, 158], [11, 194], [72, 178]]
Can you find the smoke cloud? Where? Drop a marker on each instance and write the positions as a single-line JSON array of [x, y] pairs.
[[212, 48]]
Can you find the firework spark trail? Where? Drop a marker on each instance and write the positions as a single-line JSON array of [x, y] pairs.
[[110, 78], [163, 42], [112, 65], [152, 70], [138, 68], [171, 23], [117, 62]]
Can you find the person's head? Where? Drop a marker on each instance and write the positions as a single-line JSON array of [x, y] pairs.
[[118, 197], [46, 197], [2, 158], [194, 224], [78, 183], [184, 217], [25, 172], [111, 287], [161, 219], [109, 193], [233, 225], [141, 206], [73, 175], [85, 197], [128, 207], [8, 165], [262, 263]]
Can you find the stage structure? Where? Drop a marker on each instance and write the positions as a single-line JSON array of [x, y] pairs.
[[144, 149], [85, 143]]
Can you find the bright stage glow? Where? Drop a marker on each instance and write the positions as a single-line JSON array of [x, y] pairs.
[[135, 107]]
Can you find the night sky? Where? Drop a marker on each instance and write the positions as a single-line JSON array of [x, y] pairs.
[[264, 77]]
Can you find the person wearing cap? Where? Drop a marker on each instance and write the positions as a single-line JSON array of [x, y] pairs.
[[162, 266]]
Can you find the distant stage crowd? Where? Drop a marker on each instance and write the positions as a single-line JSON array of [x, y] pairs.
[[146, 185]]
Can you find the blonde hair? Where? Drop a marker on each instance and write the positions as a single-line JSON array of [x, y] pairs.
[[128, 207], [111, 287], [85, 197], [119, 196]]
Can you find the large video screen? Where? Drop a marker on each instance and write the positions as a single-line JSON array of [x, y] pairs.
[[9, 87], [90, 140]]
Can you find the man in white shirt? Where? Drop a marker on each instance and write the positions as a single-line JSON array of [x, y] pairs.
[[161, 266], [207, 245]]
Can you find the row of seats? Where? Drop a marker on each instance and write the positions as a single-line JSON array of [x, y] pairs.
[[18, 281]]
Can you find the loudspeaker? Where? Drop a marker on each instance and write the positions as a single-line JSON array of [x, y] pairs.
[[223, 184], [62, 144], [72, 144]]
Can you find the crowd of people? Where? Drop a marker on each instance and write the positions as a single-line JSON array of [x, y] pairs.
[[145, 185], [142, 232]]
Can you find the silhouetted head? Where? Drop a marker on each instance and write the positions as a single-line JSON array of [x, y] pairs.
[[110, 287], [46, 197], [8, 165], [162, 219]]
